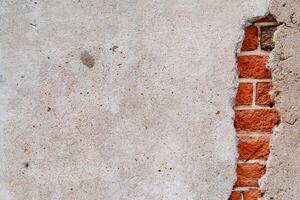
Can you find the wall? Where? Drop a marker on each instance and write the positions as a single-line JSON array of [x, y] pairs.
[[119, 99]]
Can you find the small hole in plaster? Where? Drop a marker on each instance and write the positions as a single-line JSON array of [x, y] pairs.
[[26, 165]]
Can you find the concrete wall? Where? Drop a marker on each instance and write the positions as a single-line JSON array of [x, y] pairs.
[[283, 169], [119, 99]]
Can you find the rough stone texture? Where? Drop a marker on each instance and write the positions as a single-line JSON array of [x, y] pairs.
[[282, 180], [266, 39], [128, 100]]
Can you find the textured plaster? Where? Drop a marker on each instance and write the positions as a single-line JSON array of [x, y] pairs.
[[119, 99], [282, 180]]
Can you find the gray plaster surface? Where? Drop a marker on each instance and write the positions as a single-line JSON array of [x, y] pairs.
[[110, 100], [282, 180]]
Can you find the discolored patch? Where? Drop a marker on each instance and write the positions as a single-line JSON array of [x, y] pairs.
[[87, 59], [114, 47]]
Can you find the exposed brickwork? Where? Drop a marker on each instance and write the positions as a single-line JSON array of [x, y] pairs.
[[262, 120], [235, 196], [254, 67], [252, 195], [244, 94], [248, 174], [255, 115], [251, 39], [253, 148], [268, 18], [266, 39], [262, 94]]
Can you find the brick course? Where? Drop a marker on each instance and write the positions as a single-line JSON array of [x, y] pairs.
[[253, 148], [268, 18], [266, 38], [254, 67], [251, 39], [262, 120], [244, 94], [255, 115], [248, 174], [235, 196], [252, 195], [262, 94]]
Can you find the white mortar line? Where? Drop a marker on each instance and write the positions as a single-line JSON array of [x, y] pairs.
[[257, 52], [249, 80], [259, 37], [255, 135], [242, 189], [253, 107], [260, 24], [253, 94], [262, 162]]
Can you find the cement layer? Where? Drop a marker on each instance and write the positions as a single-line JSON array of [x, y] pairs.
[[282, 180], [114, 100]]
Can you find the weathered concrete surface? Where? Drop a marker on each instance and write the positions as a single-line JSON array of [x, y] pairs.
[[119, 99], [282, 180]]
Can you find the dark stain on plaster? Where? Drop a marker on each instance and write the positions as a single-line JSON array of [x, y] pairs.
[[26, 165], [113, 48], [87, 59]]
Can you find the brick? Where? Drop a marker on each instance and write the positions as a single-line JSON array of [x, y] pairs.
[[262, 94], [252, 195], [251, 39], [235, 196], [251, 148], [268, 18], [244, 94], [261, 120], [253, 67], [248, 174], [266, 37]]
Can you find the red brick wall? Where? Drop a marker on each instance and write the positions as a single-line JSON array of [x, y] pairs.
[[255, 115]]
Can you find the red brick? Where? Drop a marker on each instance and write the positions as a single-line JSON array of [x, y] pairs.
[[268, 18], [251, 148], [244, 94], [235, 196], [262, 93], [248, 174], [253, 67], [262, 120], [266, 37], [252, 195], [251, 39]]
